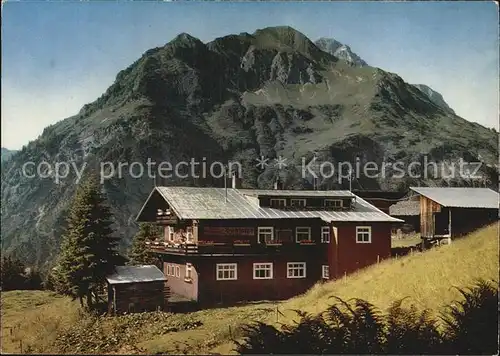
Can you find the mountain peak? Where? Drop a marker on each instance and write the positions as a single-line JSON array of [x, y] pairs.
[[286, 38], [340, 50], [185, 39]]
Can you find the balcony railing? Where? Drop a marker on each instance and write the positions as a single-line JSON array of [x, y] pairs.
[[235, 247]]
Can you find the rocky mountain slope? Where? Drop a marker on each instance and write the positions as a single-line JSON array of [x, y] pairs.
[[436, 97], [340, 51], [271, 93], [345, 53]]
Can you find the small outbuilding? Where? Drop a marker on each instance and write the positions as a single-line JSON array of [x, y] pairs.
[[136, 289], [450, 212], [409, 211]]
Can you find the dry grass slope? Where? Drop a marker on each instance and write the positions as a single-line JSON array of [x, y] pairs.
[[427, 278]]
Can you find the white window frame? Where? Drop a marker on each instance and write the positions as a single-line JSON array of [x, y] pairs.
[[325, 234], [303, 205], [171, 232], [226, 267], [168, 270], [296, 266], [178, 271], [297, 232], [265, 230], [279, 206], [263, 266], [189, 271], [325, 272], [362, 231], [340, 205]]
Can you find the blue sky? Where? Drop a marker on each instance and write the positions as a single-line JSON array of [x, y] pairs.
[[58, 56]]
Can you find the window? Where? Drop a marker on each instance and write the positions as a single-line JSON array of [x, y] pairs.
[[333, 203], [178, 271], [168, 270], [363, 234], [265, 234], [262, 271], [298, 203], [170, 233], [226, 271], [278, 203], [325, 234], [296, 270], [189, 271], [325, 272], [302, 233], [189, 234]]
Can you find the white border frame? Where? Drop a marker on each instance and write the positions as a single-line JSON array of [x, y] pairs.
[[235, 265], [263, 263], [323, 271], [339, 200], [369, 234], [259, 228], [276, 199], [298, 199], [302, 227], [294, 263], [323, 228]]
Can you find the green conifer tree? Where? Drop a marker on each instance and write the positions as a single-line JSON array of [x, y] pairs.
[[12, 273], [139, 254], [88, 249]]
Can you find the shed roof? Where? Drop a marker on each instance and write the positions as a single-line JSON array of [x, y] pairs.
[[453, 197], [135, 274], [210, 203], [405, 208]]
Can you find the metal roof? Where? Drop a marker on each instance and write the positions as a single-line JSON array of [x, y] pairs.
[[298, 193], [210, 203], [461, 197], [135, 274]]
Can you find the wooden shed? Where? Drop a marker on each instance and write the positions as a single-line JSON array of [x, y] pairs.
[[451, 212], [409, 211], [136, 289]]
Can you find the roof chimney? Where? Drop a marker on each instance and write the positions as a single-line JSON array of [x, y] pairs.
[[235, 181]]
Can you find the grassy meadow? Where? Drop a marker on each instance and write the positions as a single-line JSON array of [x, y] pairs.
[[39, 321]]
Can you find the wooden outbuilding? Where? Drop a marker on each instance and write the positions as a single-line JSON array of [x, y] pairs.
[[409, 211], [136, 289], [449, 212]]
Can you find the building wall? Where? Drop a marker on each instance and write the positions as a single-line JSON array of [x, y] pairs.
[[136, 297], [205, 234], [179, 285], [343, 255], [465, 220], [351, 255], [427, 209], [246, 288]]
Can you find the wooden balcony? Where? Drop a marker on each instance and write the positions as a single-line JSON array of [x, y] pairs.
[[232, 249]]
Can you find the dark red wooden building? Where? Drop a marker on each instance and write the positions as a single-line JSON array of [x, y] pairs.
[[230, 245]]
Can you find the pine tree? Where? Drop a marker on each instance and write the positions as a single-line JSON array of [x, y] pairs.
[[12, 273], [88, 249], [139, 253]]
